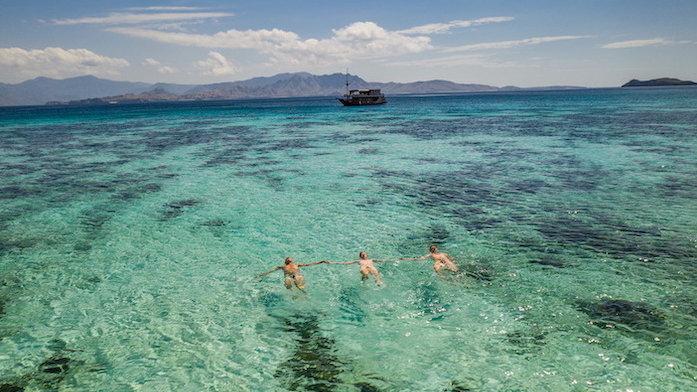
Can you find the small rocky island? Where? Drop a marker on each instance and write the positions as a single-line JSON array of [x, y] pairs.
[[659, 83]]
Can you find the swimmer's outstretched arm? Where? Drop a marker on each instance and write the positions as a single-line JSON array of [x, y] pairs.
[[341, 262], [309, 264], [415, 258], [268, 272]]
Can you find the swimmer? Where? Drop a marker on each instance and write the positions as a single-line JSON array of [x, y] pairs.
[[291, 272], [366, 265], [440, 260]]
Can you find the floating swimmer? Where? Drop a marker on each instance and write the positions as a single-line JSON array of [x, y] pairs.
[[366, 265], [291, 272], [440, 260]]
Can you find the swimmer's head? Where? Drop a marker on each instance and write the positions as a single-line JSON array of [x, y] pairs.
[[433, 249], [363, 255], [289, 260]]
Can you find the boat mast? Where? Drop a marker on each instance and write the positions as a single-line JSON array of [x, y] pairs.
[[347, 82]]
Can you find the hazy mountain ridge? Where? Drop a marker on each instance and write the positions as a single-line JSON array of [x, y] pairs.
[[41, 90], [93, 90]]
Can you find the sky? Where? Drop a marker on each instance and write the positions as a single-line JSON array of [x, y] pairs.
[[593, 43]]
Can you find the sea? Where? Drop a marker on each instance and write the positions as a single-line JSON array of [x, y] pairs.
[[132, 237]]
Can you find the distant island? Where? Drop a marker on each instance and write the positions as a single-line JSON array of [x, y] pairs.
[[659, 83], [90, 90]]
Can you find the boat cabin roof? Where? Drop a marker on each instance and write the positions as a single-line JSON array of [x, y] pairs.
[[366, 92]]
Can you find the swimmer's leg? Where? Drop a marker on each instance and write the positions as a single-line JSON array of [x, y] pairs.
[[378, 278], [288, 282], [300, 282], [364, 274], [437, 267]]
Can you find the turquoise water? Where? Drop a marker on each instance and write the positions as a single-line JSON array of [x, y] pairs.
[[130, 237]]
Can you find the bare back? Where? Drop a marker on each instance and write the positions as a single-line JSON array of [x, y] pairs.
[[291, 269], [367, 268], [366, 263], [443, 260]]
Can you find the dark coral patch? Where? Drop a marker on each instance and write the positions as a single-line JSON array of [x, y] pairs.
[[456, 386], [479, 271], [16, 192], [214, 223], [368, 151], [548, 261], [526, 343], [55, 365], [314, 365], [137, 191], [10, 243], [11, 388], [366, 387], [177, 208], [619, 312], [438, 234]]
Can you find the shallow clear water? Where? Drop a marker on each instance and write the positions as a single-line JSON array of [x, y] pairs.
[[130, 237]]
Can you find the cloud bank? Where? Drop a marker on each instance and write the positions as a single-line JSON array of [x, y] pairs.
[[59, 62], [359, 40]]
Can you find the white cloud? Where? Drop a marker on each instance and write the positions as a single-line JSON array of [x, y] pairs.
[[151, 62], [163, 69], [637, 43], [359, 40], [513, 43], [136, 18], [434, 28], [164, 8], [59, 62], [216, 65], [166, 70]]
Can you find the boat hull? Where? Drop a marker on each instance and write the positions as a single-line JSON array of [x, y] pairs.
[[362, 101]]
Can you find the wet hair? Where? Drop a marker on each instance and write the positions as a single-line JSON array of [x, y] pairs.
[[288, 260], [432, 248], [363, 255]]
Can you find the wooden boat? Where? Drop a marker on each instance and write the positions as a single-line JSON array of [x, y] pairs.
[[362, 97]]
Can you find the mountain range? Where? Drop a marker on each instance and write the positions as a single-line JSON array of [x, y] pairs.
[[92, 90]]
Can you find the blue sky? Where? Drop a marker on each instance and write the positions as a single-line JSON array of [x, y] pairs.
[[524, 43]]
